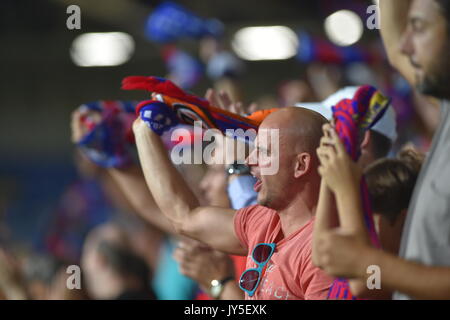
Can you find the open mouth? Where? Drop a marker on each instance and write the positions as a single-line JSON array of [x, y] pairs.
[[257, 186]]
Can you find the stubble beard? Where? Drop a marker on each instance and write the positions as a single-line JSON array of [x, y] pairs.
[[436, 82]]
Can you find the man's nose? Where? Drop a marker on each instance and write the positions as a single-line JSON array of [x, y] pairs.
[[405, 45]]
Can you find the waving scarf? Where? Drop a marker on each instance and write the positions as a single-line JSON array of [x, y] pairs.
[[189, 108], [108, 143]]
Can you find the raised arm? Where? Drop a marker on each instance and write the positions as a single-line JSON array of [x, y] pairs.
[[326, 218], [132, 183], [342, 176], [394, 21], [129, 180], [413, 279], [213, 226], [347, 258]]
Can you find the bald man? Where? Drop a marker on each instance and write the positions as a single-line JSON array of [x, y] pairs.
[[276, 234]]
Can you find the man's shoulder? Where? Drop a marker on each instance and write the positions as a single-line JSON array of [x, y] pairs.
[[255, 216], [253, 223]]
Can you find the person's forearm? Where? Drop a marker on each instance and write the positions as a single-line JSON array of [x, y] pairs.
[[393, 23], [360, 289], [350, 211], [413, 279], [132, 183], [325, 218], [173, 196], [393, 19]]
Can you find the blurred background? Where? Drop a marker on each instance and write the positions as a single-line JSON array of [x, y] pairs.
[[272, 52]]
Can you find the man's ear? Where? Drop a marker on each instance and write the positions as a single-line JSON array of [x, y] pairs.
[[303, 164], [366, 140]]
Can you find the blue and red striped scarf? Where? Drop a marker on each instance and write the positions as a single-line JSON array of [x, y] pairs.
[[108, 143]]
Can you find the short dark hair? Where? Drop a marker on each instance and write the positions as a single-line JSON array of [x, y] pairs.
[[124, 261], [391, 182]]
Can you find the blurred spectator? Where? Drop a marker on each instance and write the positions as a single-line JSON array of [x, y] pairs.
[[214, 186], [85, 204], [112, 270], [220, 63], [294, 91], [390, 183], [324, 79]]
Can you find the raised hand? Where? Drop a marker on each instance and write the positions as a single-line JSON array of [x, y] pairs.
[[342, 254], [157, 116], [222, 100], [102, 131], [202, 263], [336, 167]]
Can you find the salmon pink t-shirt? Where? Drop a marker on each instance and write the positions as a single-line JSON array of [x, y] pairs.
[[290, 273]]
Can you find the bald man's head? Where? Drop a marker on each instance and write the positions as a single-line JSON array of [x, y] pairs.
[[300, 128], [299, 132]]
